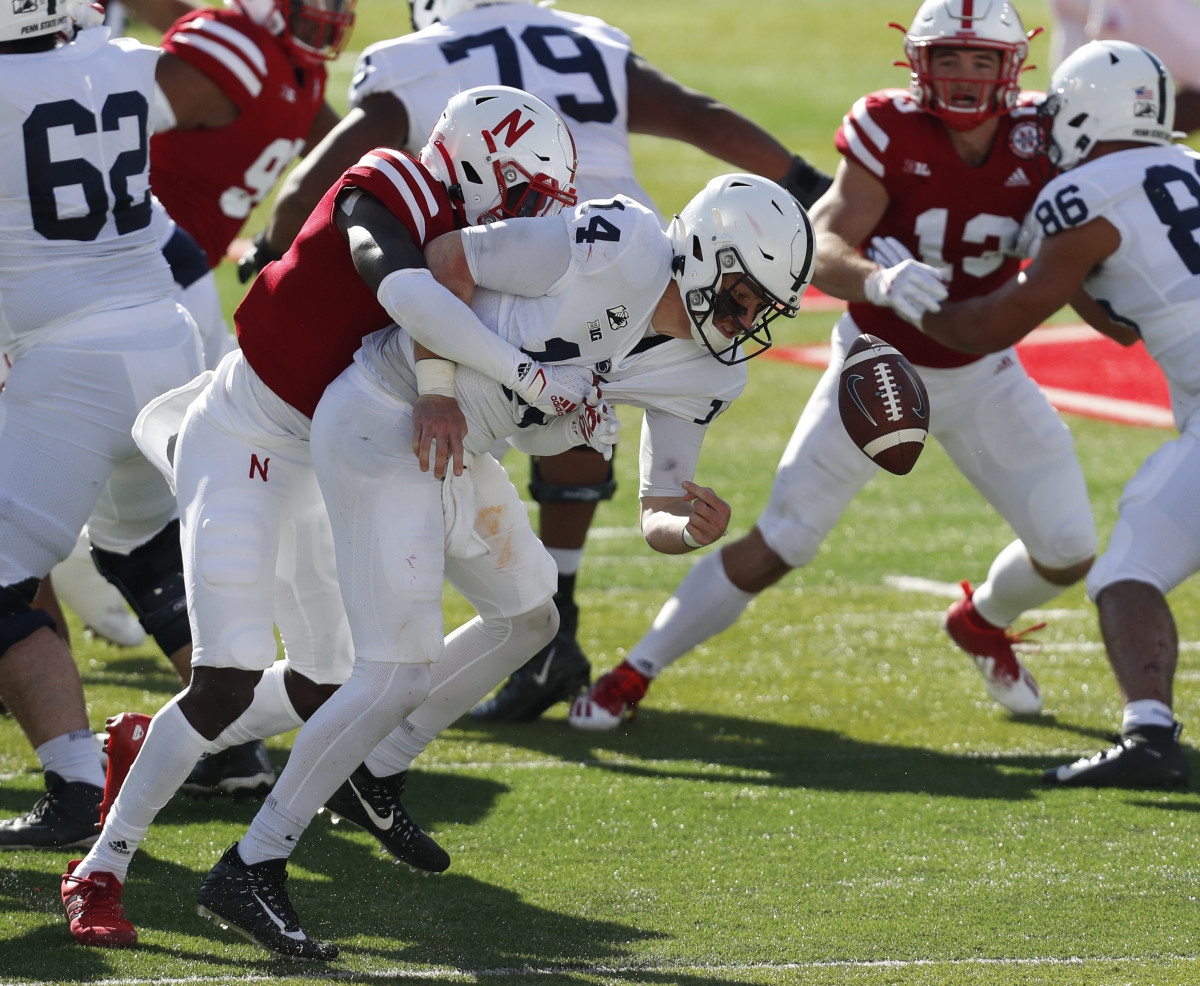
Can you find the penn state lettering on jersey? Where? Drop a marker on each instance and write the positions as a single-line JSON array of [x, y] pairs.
[[299, 332], [209, 180], [961, 219]]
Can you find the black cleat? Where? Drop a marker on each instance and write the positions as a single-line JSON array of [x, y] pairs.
[[373, 804], [556, 673], [65, 817], [1145, 757], [253, 901], [240, 770]]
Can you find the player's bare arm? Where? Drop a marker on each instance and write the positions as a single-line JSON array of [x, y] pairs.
[[670, 525], [447, 260], [1098, 318], [325, 120], [663, 107], [380, 121], [197, 101], [1055, 277], [842, 219]]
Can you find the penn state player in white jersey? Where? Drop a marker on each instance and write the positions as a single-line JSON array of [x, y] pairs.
[[1115, 236], [581, 288], [93, 331], [590, 72]]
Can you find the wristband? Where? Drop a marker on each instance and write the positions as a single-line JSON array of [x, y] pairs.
[[690, 541], [435, 377]]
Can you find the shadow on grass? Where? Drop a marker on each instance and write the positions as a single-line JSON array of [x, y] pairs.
[[682, 743], [382, 916]]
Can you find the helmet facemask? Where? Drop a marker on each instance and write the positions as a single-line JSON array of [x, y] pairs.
[[317, 30]]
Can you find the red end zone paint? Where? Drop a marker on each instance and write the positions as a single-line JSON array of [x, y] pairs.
[[1080, 370]]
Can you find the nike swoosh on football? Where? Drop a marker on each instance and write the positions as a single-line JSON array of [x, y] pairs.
[[383, 822], [275, 919], [541, 677]]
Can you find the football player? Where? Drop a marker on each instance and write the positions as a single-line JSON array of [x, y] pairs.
[[589, 71], [580, 287], [946, 168], [93, 332], [1114, 236], [255, 536]]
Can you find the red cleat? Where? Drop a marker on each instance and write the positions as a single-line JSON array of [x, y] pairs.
[[1008, 681], [93, 905], [126, 733], [611, 700]]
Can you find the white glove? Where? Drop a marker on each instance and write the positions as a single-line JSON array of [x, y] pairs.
[[556, 388], [887, 251], [910, 288], [595, 425]]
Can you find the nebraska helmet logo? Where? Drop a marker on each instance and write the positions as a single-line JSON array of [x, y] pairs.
[[511, 127]]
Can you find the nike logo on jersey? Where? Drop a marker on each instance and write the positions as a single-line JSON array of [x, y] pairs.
[[382, 822], [278, 921], [541, 677], [1018, 179]]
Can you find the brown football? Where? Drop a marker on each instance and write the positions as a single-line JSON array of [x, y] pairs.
[[883, 404]]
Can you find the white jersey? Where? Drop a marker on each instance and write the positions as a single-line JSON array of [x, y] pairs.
[[575, 63], [616, 264], [1152, 281], [74, 187]]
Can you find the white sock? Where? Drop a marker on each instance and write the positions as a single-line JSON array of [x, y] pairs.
[[476, 657], [1146, 712], [331, 745], [568, 560], [1013, 585], [74, 756], [270, 712], [705, 604], [169, 752]]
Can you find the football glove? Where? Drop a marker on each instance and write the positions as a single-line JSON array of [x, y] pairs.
[[596, 426], [902, 283], [806, 183], [555, 388], [259, 254]]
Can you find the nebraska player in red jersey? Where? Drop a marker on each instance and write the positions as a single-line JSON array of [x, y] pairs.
[[249, 82], [257, 547], [943, 172]]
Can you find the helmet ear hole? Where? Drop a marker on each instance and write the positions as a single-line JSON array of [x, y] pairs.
[[471, 174], [697, 251]]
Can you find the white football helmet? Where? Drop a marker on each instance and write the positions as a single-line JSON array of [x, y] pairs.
[[990, 24], [313, 31], [747, 225], [502, 153], [24, 19], [426, 12], [1106, 90]]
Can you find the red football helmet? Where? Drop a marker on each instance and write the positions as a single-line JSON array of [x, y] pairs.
[[993, 25], [313, 31]]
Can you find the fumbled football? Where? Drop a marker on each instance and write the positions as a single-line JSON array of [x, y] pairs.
[[883, 404]]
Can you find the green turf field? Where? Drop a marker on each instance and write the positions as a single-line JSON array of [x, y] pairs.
[[822, 795]]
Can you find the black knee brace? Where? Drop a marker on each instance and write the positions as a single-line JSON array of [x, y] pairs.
[[151, 580], [544, 492], [18, 619]]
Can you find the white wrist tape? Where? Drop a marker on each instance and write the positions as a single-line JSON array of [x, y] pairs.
[[435, 377], [690, 541]]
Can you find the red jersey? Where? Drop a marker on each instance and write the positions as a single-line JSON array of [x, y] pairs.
[[305, 315], [951, 216], [209, 180]]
